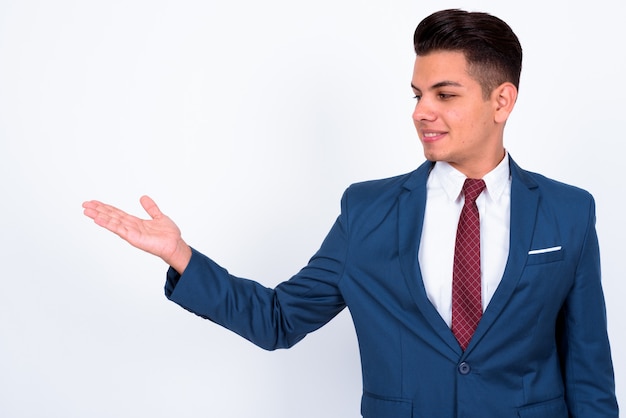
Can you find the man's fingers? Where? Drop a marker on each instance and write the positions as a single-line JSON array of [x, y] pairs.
[[93, 209], [118, 221], [90, 207], [110, 217]]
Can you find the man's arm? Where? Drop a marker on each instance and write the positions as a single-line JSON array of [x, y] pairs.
[[583, 343], [270, 318], [158, 236]]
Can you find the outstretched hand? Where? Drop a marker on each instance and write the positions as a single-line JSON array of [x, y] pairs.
[[158, 236]]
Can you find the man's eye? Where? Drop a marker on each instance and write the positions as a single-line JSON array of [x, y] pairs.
[[445, 96], [417, 97]]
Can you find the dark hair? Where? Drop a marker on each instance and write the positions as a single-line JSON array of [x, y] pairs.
[[492, 50]]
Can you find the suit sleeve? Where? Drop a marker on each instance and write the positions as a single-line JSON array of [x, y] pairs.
[[583, 340], [270, 318]]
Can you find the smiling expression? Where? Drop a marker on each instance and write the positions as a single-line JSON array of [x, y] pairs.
[[454, 119]]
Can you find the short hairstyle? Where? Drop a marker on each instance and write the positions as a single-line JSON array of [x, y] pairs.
[[492, 50]]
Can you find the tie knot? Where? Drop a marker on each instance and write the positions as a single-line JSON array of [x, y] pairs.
[[472, 188]]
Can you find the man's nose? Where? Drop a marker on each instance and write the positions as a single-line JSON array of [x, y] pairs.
[[423, 110]]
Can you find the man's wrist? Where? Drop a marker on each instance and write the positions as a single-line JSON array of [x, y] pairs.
[[180, 258]]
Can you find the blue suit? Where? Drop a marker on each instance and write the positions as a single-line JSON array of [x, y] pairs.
[[540, 350]]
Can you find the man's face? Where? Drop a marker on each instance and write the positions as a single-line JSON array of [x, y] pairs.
[[453, 119]]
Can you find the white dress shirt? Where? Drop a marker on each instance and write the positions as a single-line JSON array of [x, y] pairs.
[[444, 201]]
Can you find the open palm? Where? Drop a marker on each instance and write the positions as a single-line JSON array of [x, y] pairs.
[[159, 235]]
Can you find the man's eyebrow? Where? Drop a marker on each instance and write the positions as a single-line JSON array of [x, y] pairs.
[[440, 84]]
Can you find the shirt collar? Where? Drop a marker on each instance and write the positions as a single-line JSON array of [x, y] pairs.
[[451, 180]]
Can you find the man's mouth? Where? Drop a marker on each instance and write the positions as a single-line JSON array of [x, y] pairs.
[[432, 136]]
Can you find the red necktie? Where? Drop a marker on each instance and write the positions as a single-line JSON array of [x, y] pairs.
[[466, 299]]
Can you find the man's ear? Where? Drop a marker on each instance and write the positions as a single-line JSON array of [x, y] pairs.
[[504, 96]]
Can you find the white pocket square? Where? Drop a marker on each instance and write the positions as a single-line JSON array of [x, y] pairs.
[[544, 250]]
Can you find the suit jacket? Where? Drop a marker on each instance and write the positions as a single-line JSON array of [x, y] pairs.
[[540, 350]]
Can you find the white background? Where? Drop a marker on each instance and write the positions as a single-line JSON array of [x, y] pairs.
[[245, 121]]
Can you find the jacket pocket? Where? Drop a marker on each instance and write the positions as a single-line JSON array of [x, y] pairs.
[[373, 406], [555, 408], [547, 257]]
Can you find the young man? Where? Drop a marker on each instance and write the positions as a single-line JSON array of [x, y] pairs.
[[474, 285]]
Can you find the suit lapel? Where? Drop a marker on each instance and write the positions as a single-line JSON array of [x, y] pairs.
[[411, 207], [524, 204]]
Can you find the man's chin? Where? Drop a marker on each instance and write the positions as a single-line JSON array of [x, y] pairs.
[[433, 156]]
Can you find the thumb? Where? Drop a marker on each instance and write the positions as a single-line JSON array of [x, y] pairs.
[[149, 206]]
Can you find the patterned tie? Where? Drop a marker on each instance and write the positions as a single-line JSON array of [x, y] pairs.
[[466, 299]]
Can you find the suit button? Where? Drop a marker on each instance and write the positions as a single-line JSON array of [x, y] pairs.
[[464, 368]]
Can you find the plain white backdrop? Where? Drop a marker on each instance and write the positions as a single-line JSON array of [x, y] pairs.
[[245, 121]]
